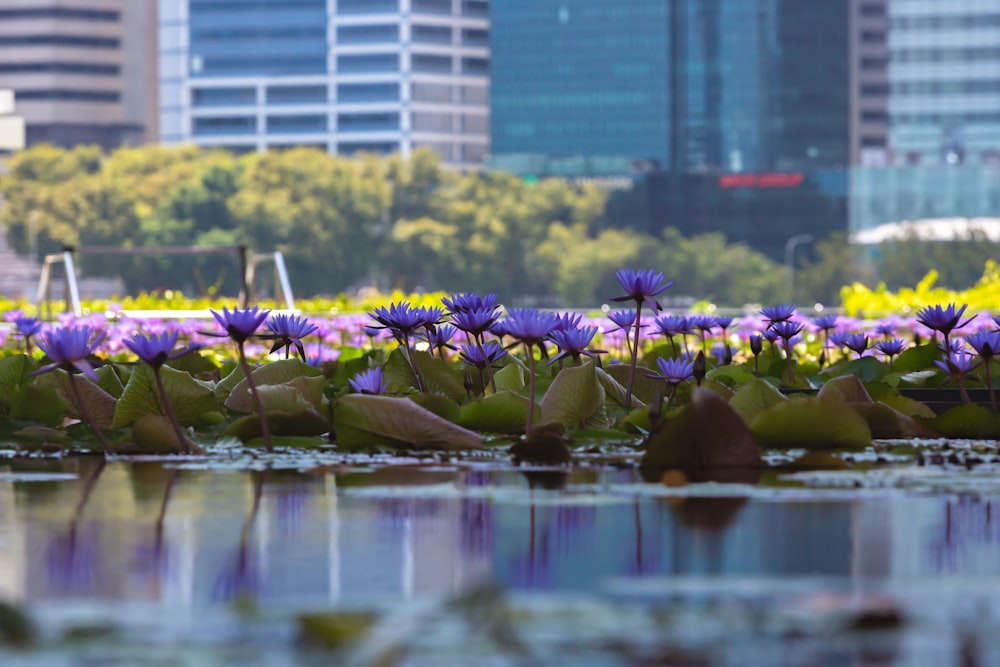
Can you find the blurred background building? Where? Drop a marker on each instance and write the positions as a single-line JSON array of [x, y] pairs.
[[353, 75], [83, 71]]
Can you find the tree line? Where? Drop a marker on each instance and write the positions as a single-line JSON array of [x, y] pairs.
[[347, 222]]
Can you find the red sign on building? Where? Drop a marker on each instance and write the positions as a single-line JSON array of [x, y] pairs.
[[764, 180]]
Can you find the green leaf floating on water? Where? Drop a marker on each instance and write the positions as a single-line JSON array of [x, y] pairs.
[[99, 403], [108, 380], [917, 358], [867, 369], [154, 434], [755, 397], [812, 423], [43, 404], [883, 420], [439, 376], [362, 421], [189, 397], [13, 370], [575, 398], [707, 433], [305, 422], [643, 388], [967, 421], [440, 405], [511, 377], [503, 412]]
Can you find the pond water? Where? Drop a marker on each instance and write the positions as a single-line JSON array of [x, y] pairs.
[[177, 563]]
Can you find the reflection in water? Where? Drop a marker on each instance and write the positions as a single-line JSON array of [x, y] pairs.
[[196, 538]]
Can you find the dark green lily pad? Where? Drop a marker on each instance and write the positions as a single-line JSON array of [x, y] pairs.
[[811, 423], [503, 412], [643, 388], [575, 399], [707, 433], [365, 421], [306, 422], [440, 405], [916, 359], [439, 376], [512, 377], [755, 397], [189, 397], [43, 404], [967, 421]]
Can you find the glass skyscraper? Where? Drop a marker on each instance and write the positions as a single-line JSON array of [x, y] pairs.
[[944, 77], [696, 85], [344, 75]]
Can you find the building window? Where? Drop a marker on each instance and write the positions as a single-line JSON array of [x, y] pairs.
[[367, 92], [422, 62], [297, 124], [378, 147], [296, 94], [873, 10], [69, 95], [476, 8], [475, 124], [432, 6], [874, 90], [874, 116], [424, 121], [367, 122], [225, 125], [92, 69], [475, 94], [870, 63], [476, 66], [367, 6], [431, 92], [60, 40], [431, 34], [368, 34], [474, 37], [221, 97], [873, 37], [60, 13], [368, 63]]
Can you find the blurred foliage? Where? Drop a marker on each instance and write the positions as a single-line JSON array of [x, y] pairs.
[[345, 224], [350, 224], [983, 296]]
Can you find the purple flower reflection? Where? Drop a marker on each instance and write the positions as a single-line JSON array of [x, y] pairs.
[[968, 525], [477, 525], [72, 562], [240, 578]]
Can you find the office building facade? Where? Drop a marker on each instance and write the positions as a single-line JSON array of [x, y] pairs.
[[82, 71], [944, 78], [344, 75], [690, 85]]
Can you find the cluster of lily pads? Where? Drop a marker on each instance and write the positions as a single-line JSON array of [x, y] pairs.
[[687, 390]]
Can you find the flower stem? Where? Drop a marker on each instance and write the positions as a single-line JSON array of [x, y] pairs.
[[248, 374], [531, 389], [85, 413], [171, 415], [489, 364], [962, 392], [989, 385], [635, 356], [408, 353]]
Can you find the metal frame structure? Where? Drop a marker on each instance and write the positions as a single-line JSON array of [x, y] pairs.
[[248, 271]]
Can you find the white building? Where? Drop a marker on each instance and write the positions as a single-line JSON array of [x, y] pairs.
[[344, 75], [944, 81]]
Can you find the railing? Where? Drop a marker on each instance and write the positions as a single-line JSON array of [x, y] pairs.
[[249, 262]]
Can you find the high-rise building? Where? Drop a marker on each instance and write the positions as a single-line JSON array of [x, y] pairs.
[[344, 75], [944, 78], [81, 70], [870, 91], [689, 85]]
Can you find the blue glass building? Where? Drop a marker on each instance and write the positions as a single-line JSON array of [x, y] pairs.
[[695, 85], [343, 75]]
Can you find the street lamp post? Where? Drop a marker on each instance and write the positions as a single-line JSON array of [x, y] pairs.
[[790, 246]]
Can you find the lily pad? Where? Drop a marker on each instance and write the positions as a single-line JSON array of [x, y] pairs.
[[439, 376], [707, 433], [575, 399], [755, 397], [643, 388], [968, 421], [38, 403], [305, 422], [503, 412], [811, 423], [99, 404], [511, 377], [362, 420], [189, 397], [154, 434]]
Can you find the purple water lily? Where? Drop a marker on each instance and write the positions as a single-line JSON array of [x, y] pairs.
[[573, 343], [287, 331], [531, 327], [369, 381]]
